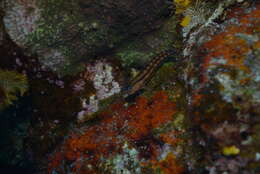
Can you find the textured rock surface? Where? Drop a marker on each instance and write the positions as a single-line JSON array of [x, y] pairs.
[[64, 32], [224, 82], [125, 141], [198, 113]]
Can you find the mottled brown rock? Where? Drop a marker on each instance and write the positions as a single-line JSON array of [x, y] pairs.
[[63, 33]]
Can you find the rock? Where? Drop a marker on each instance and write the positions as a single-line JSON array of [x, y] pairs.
[[65, 32], [223, 77]]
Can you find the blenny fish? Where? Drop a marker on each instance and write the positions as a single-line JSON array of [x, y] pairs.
[[140, 81], [137, 84]]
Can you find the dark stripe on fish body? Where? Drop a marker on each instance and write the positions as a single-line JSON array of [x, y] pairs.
[[143, 78], [152, 64]]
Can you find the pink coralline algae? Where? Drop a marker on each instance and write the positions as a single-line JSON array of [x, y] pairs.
[[100, 74], [102, 77]]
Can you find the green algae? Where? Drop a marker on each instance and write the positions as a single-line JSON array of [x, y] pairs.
[[131, 57], [11, 84], [137, 52]]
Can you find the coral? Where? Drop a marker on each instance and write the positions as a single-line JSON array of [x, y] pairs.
[[229, 56], [198, 13], [235, 49], [149, 117], [103, 80], [98, 76], [11, 83], [107, 143]]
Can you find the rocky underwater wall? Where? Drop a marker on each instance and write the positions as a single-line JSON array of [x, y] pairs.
[[130, 87]]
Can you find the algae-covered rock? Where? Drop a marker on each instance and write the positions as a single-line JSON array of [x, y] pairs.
[[197, 112], [232, 57], [125, 141], [65, 32], [137, 52], [224, 83]]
